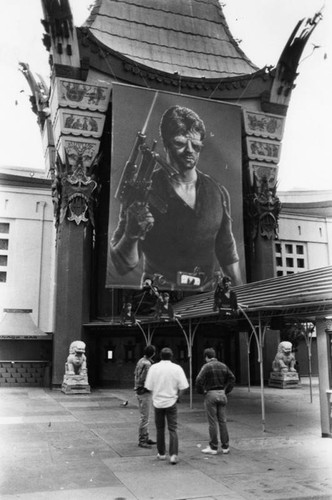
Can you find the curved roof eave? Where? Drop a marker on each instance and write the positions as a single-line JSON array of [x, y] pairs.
[[122, 68]]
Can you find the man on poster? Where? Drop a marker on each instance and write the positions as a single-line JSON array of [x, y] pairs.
[[190, 239]]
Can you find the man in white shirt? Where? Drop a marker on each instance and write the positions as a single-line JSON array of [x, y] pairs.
[[166, 380]]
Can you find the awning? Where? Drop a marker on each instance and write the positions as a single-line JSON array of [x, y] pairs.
[[18, 324], [309, 292]]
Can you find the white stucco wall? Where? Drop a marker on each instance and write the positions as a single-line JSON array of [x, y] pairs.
[[31, 252], [315, 232]]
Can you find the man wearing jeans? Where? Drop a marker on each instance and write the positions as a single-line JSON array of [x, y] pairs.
[[166, 380], [144, 396], [215, 381]]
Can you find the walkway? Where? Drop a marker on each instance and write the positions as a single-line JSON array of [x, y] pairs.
[[82, 447]]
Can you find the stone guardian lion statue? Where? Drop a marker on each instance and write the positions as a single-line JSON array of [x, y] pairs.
[[76, 361], [285, 359]]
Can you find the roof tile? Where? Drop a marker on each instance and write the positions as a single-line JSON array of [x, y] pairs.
[[190, 37]]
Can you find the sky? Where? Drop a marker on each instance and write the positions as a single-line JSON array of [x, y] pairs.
[[262, 28]]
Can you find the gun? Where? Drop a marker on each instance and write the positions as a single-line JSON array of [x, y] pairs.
[[136, 179]]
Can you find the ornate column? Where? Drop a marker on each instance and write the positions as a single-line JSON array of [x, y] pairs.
[[78, 115], [262, 147], [324, 350], [78, 103], [263, 133]]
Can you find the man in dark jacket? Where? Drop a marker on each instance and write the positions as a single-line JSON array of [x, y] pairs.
[[144, 396], [215, 381], [225, 299]]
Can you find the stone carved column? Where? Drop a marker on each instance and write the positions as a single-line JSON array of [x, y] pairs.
[[262, 152], [261, 146], [78, 116], [324, 351]]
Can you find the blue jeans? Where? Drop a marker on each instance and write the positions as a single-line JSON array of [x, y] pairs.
[[144, 402], [161, 415], [215, 405]]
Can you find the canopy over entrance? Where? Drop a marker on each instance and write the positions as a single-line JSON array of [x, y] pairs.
[[302, 295], [306, 293]]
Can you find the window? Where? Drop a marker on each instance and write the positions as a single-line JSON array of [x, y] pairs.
[[3, 260], [290, 257], [4, 245]]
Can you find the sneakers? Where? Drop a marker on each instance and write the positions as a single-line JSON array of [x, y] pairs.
[[144, 445], [208, 450], [225, 449], [150, 441], [161, 457], [174, 459]]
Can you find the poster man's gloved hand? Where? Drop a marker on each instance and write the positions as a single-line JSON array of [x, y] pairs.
[[139, 220]]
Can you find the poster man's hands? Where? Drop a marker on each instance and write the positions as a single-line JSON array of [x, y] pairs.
[[139, 220]]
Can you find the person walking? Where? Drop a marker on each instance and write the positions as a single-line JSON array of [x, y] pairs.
[[215, 380], [144, 396], [166, 380]]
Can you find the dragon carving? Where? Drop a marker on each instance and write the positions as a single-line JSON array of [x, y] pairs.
[[75, 188]]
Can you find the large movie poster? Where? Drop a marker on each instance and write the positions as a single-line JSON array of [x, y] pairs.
[[176, 191]]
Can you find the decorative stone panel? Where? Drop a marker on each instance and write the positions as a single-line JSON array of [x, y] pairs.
[[78, 123], [263, 125], [81, 95], [263, 149], [79, 150], [261, 172]]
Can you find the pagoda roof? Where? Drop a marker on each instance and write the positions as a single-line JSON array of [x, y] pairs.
[[189, 38]]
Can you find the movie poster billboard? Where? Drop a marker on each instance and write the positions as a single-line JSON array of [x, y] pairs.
[[176, 208]]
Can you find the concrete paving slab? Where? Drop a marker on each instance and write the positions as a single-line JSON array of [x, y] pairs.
[[116, 439], [102, 415], [29, 410], [266, 486], [230, 496], [108, 493], [178, 482], [243, 462], [32, 477], [80, 404], [95, 454], [36, 419], [37, 450]]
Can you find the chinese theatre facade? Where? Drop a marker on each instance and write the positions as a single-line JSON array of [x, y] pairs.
[[143, 205]]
